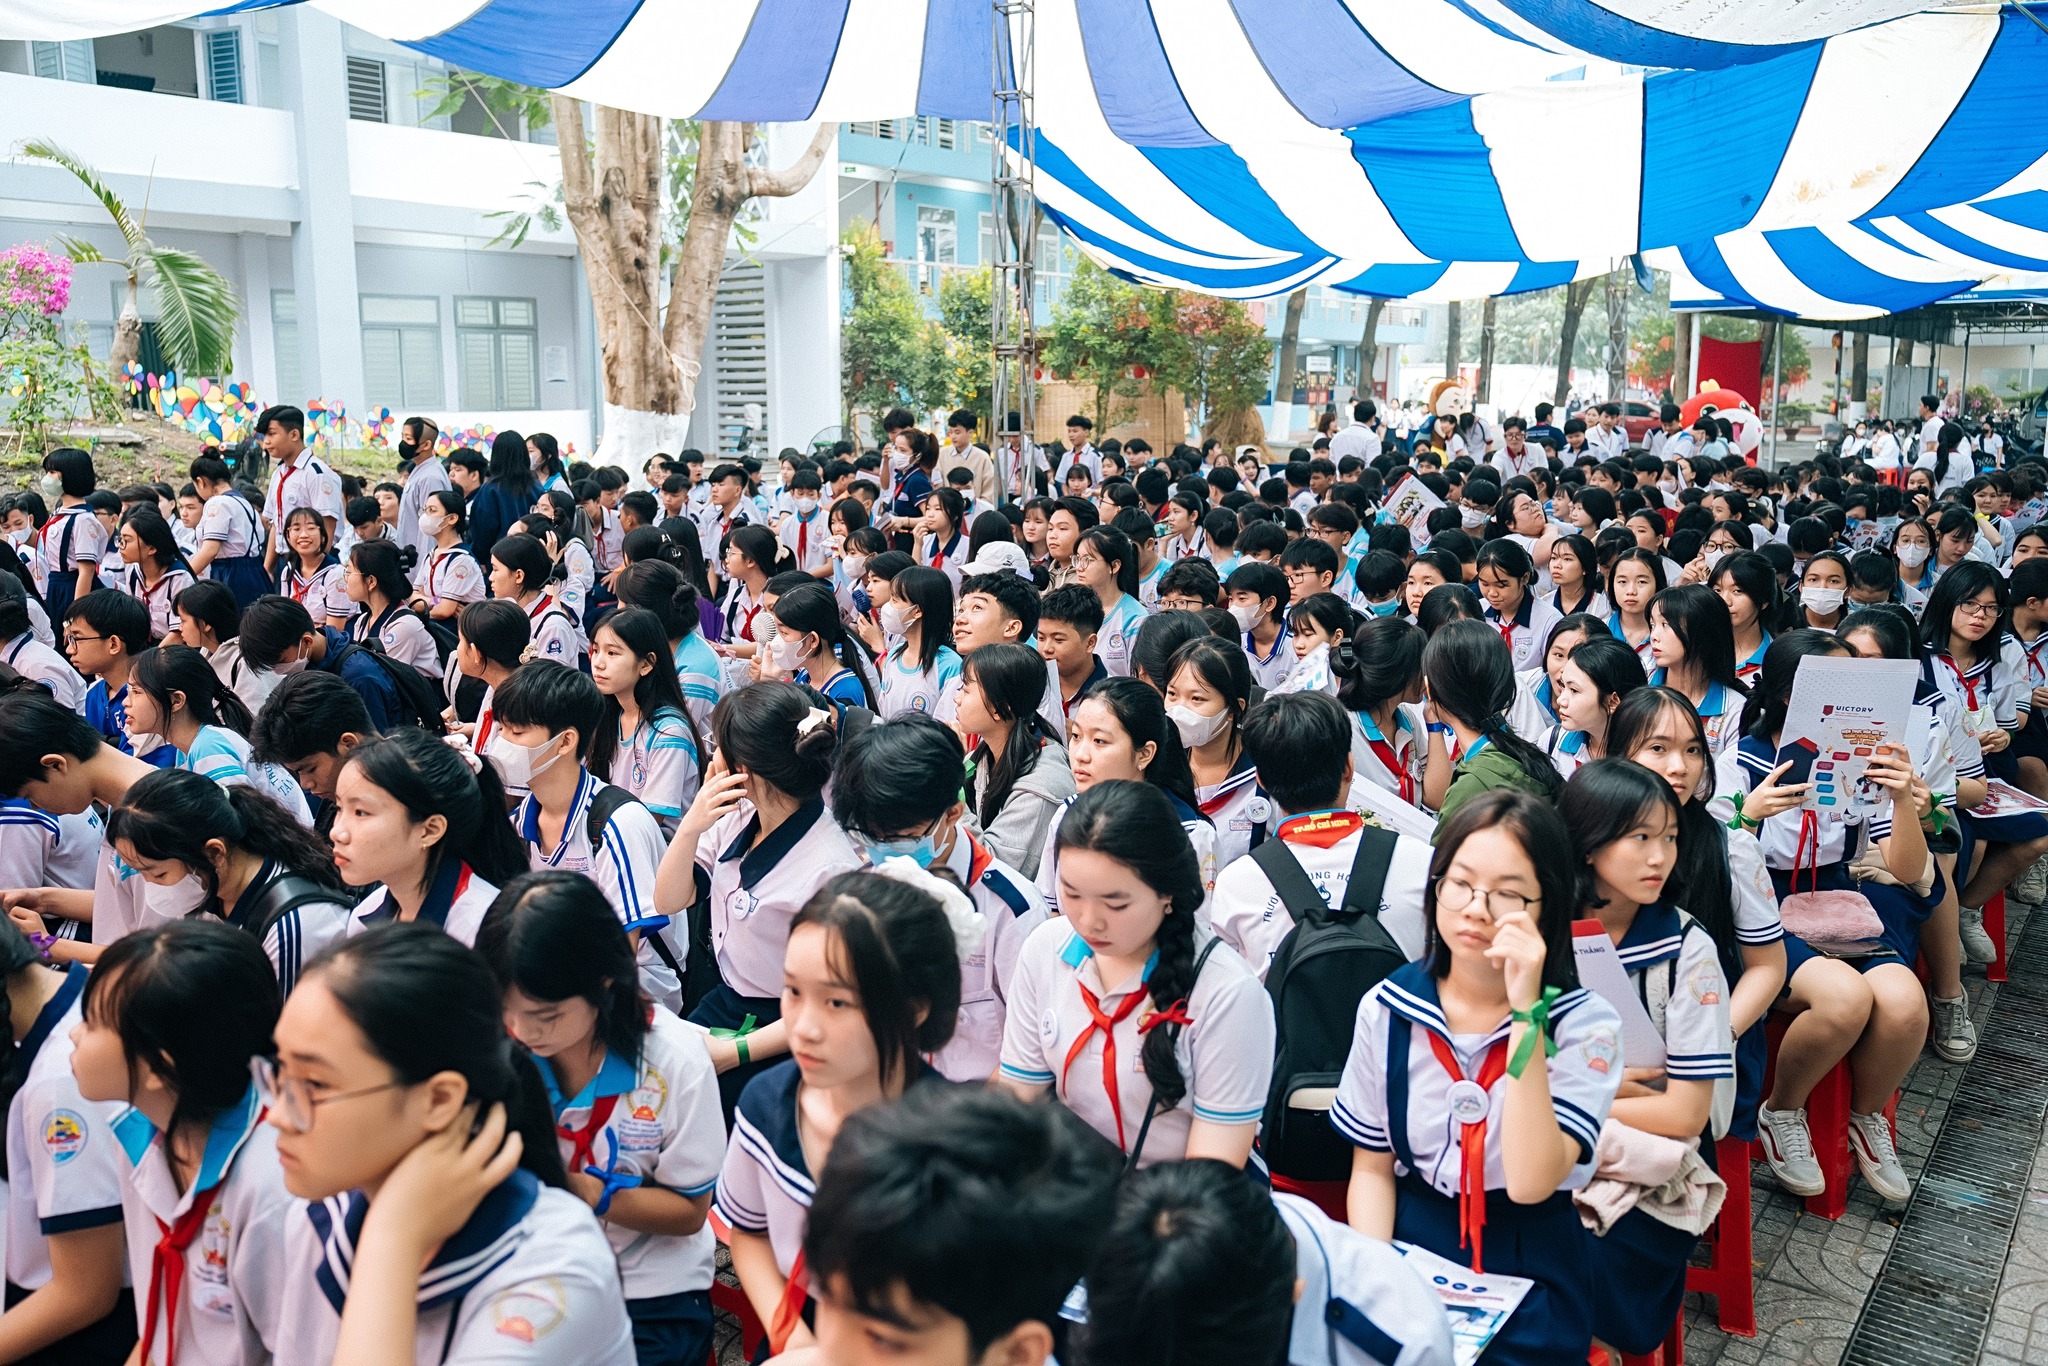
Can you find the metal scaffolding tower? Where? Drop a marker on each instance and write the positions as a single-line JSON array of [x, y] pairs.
[[1017, 215]]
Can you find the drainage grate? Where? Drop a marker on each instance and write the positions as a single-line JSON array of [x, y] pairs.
[[1933, 1299]]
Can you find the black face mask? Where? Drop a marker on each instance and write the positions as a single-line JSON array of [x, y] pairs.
[[407, 450]]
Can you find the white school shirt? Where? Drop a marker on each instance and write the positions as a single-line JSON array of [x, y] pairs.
[[1358, 439], [222, 755], [33, 659], [1699, 1043], [306, 483], [65, 1171], [1226, 1055], [1584, 1075], [1360, 1299], [232, 1291], [1119, 635], [1756, 899], [38, 849], [1269, 670], [1148, 585], [809, 539], [402, 637], [905, 687], [623, 868], [1201, 836], [659, 764], [1566, 748], [124, 901], [456, 902], [296, 937], [529, 1279], [669, 1129], [765, 1186], [608, 542], [1532, 458], [1410, 747], [1010, 908], [1528, 631], [1252, 918], [1989, 695], [758, 885], [946, 557], [1720, 713], [449, 574], [1884, 451], [1240, 811], [1529, 715], [324, 595], [233, 523], [428, 476], [160, 600], [557, 634], [1835, 832], [88, 544], [579, 577]]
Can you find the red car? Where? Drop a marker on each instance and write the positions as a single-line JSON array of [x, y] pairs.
[[1640, 419]]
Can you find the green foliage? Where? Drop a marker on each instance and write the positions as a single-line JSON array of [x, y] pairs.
[[1101, 332], [884, 352], [45, 382], [966, 320], [504, 102], [1212, 351]]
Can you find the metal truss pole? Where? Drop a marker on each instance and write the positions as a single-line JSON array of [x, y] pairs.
[[1013, 130]]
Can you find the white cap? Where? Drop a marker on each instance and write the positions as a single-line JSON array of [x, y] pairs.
[[997, 556]]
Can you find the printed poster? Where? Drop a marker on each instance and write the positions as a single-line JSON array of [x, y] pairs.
[[1410, 504], [1841, 711], [1477, 1303], [2003, 799]]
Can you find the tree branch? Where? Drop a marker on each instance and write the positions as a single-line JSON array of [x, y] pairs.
[[786, 182]]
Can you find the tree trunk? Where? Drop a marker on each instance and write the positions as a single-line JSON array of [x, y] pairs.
[[1681, 357], [1484, 391], [1283, 382], [1453, 319], [1859, 368], [127, 331], [1576, 295], [1368, 348]]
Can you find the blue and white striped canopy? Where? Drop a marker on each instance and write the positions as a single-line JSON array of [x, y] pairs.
[[1410, 148]]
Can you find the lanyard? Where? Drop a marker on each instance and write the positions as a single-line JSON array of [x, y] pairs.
[[582, 1140], [1469, 1102], [1388, 758]]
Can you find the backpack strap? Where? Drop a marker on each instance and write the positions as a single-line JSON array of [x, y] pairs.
[[605, 803], [1284, 871], [1369, 870], [1152, 1106]]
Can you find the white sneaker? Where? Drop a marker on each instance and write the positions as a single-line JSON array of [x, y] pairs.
[[1870, 1139], [2032, 885], [1788, 1147], [1977, 945], [1954, 1034]]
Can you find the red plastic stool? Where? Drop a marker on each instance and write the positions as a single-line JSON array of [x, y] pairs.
[[1994, 925], [1827, 1120], [1730, 1273], [1331, 1197], [734, 1301]]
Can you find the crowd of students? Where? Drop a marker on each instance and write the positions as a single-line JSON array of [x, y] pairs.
[[1083, 902]]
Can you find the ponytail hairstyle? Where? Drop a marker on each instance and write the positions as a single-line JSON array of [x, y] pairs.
[[777, 733], [427, 776], [1385, 661], [1605, 800], [1763, 716], [426, 1004], [1446, 603], [810, 609], [550, 455], [195, 1000], [664, 590], [1471, 677], [165, 669], [1701, 873], [1012, 680], [155, 534], [1134, 824], [1113, 547], [553, 935], [931, 593], [659, 690], [1700, 620], [171, 815], [1221, 665], [1546, 842], [498, 628], [380, 562], [893, 945], [1141, 712], [525, 556], [1329, 612]]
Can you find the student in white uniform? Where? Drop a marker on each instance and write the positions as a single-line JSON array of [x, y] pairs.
[[942, 534], [1194, 1254], [1257, 594], [922, 664], [1633, 580], [574, 566], [519, 573], [375, 577], [870, 988], [1297, 743], [1524, 620], [38, 849], [633, 1095], [1208, 691], [448, 576], [28, 656], [547, 714], [1392, 747], [1590, 684], [394, 1076], [419, 823], [1624, 823], [231, 536], [759, 840], [1106, 564], [1162, 1039], [262, 871], [68, 1299], [896, 791], [203, 1197], [805, 530], [1470, 1133], [1692, 642], [174, 694], [661, 588], [72, 544], [309, 575], [152, 568], [1018, 776], [646, 741], [921, 1197]]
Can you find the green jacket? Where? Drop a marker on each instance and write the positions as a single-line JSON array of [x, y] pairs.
[[1492, 767]]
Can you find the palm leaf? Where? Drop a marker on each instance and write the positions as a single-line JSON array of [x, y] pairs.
[[42, 150], [196, 311], [81, 252]]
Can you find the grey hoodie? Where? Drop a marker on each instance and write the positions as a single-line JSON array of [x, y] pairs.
[[1017, 834]]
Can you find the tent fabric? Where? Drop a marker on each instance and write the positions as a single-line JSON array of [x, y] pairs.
[[1423, 149]]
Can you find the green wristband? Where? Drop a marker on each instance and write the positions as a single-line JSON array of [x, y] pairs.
[[1537, 1017]]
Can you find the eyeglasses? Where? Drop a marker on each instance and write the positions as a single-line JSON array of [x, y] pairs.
[[70, 639], [1979, 610], [1456, 894], [288, 1094]]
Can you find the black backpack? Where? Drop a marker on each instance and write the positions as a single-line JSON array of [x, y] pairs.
[[604, 803], [419, 702], [443, 638], [1323, 968]]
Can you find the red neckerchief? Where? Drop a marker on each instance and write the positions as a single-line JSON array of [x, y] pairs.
[[297, 587], [540, 606], [434, 558], [978, 860], [1176, 1014], [1964, 681], [1231, 786], [484, 723], [1384, 751], [582, 1140], [284, 477], [939, 553], [167, 1271], [1472, 1142], [2035, 673], [789, 1309], [1323, 829]]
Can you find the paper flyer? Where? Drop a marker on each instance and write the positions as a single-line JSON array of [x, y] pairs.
[[1410, 503], [1601, 972], [2003, 799], [1841, 710], [1476, 1302]]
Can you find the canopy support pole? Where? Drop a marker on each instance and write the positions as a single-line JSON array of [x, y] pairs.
[[1777, 355], [1017, 217]]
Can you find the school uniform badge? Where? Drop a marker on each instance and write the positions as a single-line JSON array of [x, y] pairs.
[[64, 1135], [1705, 985], [530, 1312], [1601, 1050]]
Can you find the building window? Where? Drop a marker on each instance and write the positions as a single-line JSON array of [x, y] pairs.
[[366, 91], [224, 65], [938, 244], [72, 61], [402, 352], [284, 340], [497, 346]]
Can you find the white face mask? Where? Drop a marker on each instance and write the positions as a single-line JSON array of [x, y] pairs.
[[804, 506], [899, 459], [1668, 485], [1714, 558], [1246, 615], [430, 524], [176, 901], [896, 618], [52, 486], [1822, 601], [1195, 728], [148, 742], [1472, 517], [1912, 554], [856, 565], [20, 535], [285, 668], [515, 762], [789, 653]]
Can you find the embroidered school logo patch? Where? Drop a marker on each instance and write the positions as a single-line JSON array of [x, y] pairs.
[[530, 1312], [1601, 1050], [1705, 985], [64, 1135]]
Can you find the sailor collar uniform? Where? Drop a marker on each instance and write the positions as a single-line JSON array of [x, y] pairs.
[[1011, 908]]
